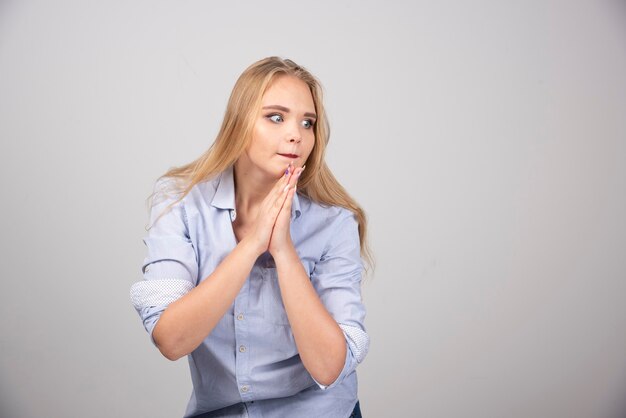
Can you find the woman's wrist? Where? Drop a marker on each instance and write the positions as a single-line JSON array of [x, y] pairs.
[[251, 246], [286, 254]]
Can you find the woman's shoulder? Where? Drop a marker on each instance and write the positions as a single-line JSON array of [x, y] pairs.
[[327, 213], [172, 188], [203, 192]]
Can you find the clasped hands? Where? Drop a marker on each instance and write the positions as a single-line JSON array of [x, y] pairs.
[[271, 229]]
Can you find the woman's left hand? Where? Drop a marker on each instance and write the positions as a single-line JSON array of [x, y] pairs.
[[281, 234]]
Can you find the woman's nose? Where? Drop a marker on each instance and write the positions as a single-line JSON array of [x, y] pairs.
[[294, 134]]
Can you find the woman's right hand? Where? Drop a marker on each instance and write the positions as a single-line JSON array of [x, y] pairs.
[[259, 236]]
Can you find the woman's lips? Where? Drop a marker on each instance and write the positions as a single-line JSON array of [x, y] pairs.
[[289, 155]]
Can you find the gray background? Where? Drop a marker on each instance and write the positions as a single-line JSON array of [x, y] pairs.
[[486, 140]]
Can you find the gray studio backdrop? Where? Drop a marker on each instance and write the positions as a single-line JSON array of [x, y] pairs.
[[486, 141]]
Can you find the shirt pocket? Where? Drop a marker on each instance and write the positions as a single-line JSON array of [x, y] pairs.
[[273, 307]]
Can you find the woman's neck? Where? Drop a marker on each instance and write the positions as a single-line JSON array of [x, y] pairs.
[[251, 186]]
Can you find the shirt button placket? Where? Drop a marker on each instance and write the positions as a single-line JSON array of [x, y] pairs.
[[242, 360]]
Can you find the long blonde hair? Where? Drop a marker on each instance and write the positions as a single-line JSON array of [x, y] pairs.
[[316, 182]]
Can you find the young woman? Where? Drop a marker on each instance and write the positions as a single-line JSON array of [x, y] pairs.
[[254, 261]]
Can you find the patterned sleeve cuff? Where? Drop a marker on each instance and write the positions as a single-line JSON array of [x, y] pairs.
[[159, 292], [358, 340]]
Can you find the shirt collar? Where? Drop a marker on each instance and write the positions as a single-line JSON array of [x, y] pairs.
[[224, 197]]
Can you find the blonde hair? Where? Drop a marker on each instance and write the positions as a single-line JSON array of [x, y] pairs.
[[316, 182]]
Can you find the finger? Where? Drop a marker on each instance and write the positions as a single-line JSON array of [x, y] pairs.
[[290, 190], [277, 189], [280, 199], [284, 214], [282, 182], [289, 199], [296, 175], [284, 178], [280, 194], [276, 197]]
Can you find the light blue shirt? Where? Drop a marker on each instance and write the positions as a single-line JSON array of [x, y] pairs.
[[249, 365]]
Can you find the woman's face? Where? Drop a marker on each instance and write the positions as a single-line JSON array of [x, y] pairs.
[[284, 130]]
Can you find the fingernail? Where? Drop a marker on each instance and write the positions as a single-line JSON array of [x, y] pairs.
[[287, 171], [298, 173], [286, 188]]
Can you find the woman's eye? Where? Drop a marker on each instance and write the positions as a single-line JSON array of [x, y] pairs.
[[275, 118], [308, 123]]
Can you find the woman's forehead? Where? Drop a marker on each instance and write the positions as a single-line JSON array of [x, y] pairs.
[[288, 89]]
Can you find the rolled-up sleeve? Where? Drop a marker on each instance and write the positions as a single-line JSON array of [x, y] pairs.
[[337, 280], [170, 268]]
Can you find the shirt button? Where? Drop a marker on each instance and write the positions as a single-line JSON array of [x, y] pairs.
[[240, 317], [233, 214], [244, 388], [242, 349]]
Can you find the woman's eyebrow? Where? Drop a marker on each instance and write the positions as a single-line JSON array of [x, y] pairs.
[[286, 110]]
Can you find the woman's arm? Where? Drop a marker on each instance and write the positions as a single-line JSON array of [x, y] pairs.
[[187, 321], [320, 341]]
